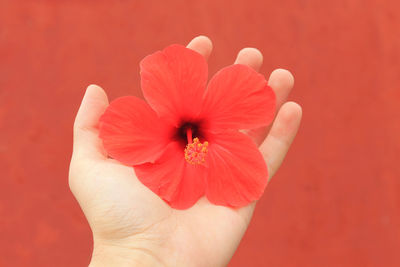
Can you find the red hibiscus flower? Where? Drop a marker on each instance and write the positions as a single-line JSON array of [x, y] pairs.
[[185, 142]]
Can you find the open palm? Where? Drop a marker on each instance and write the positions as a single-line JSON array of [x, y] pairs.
[[132, 225]]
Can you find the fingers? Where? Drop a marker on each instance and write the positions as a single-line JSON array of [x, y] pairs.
[[281, 81], [86, 140], [284, 129], [281, 135], [251, 57], [202, 45], [276, 145]]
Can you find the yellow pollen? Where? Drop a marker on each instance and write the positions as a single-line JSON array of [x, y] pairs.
[[196, 152]]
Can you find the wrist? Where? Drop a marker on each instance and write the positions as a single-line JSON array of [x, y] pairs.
[[115, 254]]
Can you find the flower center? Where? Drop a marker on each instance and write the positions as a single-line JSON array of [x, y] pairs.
[[195, 152]]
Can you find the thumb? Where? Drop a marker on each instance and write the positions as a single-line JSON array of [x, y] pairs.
[[86, 133]]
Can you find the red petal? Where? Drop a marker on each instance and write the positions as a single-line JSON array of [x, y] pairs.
[[238, 97], [173, 82], [237, 171], [131, 131], [173, 179]]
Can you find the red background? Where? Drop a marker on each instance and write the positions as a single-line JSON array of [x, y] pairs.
[[335, 201]]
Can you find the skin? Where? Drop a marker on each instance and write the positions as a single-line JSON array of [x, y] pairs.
[[131, 225]]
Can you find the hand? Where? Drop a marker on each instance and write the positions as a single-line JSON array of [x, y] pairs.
[[133, 226]]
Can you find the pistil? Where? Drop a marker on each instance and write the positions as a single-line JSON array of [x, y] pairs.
[[189, 135], [195, 151]]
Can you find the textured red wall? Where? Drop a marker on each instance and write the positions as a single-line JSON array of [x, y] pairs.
[[335, 202]]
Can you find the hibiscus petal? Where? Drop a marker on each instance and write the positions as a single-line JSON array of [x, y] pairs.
[[238, 97], [173, 82], [173, 179], [131, 131], [237, 171]]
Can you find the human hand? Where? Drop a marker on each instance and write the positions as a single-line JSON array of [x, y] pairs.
[[131, 225]]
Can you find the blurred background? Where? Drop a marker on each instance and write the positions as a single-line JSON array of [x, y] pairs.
[[334, 202]]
